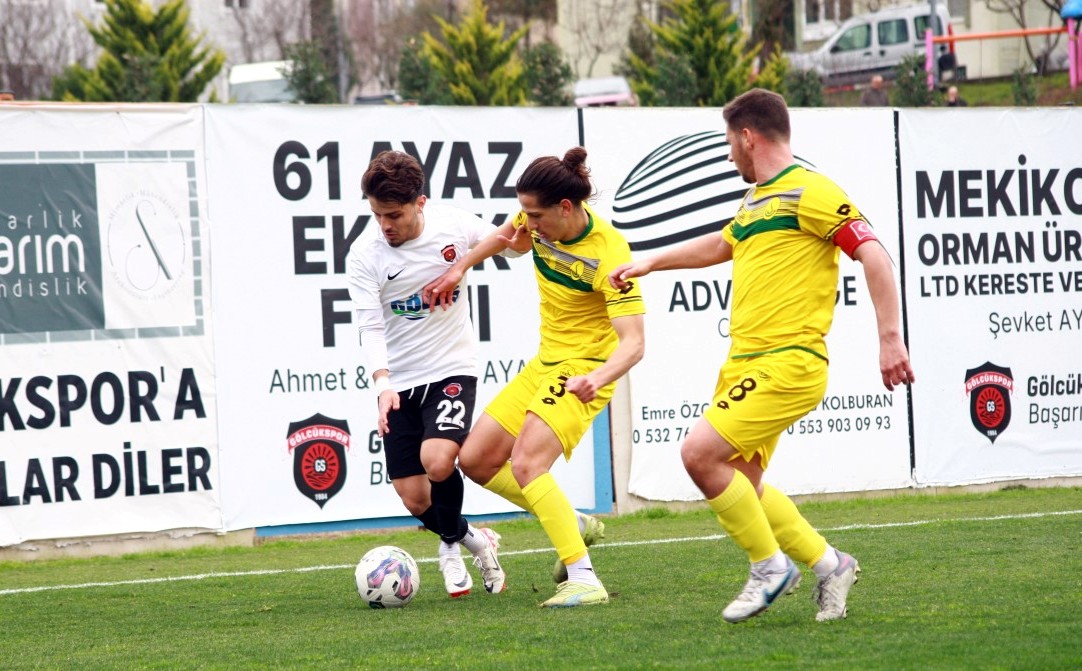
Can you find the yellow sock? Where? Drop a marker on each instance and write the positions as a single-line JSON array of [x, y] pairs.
[[796, 536], [740, 514], [504, 484], [557, 517]]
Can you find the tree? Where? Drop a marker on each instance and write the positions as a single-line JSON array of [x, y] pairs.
[[265, 34], [803, 88], [1022, 11], [775, 71], [1023, 88], [911, 83], [147, 56], [524, 12], [328, 38], [640, 45], [377, 42], [309, 77], [480, 65], [37, 42], [773, 26], [675, 85], [547, 75], [597, 27], [418, 81], [708, 38]]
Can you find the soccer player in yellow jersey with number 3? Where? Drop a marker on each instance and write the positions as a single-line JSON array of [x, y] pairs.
[[784, 243], [591, 334]]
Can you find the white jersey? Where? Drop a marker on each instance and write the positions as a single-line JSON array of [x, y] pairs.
[[423, 346]]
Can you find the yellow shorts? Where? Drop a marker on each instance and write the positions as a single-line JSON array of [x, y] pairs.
[[758, 398], [539, 388]]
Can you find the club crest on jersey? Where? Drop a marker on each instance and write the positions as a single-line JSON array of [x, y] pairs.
[[319, 446], [989, 387], [452, 390], [449, 253]]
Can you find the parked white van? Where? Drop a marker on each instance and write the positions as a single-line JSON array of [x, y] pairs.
[[262, 82], [603, 92], [875, 43]]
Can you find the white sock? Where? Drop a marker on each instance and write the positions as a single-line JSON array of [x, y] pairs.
[[582, 522], [474, 540], [827, 564], [774, 563], [449, 550], [583, 571]]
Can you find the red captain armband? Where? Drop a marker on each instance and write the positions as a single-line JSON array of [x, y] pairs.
[[853, 234]]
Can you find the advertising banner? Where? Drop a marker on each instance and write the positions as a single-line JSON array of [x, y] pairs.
[[993, 250], [298, 410], [673, 183], [107, 407]]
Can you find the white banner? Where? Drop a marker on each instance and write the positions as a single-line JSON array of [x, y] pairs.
[[107, 406], [674, 183], [285, 182], [993, 250]]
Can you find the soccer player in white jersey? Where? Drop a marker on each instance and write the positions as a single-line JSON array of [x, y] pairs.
[[424, 363]]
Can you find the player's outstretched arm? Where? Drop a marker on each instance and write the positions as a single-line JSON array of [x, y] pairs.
[[629, 352], [438, 292], [706, 250], [894, 362]]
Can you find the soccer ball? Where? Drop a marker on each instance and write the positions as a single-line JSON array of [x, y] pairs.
[[387, 577]]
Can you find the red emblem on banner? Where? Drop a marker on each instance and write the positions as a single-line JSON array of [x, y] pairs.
[[319, 447], [989, 387]]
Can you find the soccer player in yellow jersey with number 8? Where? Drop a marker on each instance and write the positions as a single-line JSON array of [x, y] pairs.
[[784, 243], [591, 334]]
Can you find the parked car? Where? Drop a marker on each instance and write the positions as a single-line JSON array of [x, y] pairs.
[[385, 98], [603, 92], [262, 82], [875, 43]]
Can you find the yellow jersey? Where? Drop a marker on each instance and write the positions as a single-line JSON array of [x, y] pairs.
[[577, 301], [785, 263]]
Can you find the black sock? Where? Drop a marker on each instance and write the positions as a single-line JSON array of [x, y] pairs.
[[447, 502], [430, 519]]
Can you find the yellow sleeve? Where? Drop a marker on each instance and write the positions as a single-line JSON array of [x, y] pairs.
[[824, 208], [618, 303]]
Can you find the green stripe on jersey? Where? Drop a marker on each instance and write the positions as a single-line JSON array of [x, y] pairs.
[[786, 223], [559, 278]]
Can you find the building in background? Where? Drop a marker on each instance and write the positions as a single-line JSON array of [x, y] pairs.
[[39, 38]]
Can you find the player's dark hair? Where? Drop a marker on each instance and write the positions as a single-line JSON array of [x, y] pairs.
[[760, 110], [393, 177], [550, 179]]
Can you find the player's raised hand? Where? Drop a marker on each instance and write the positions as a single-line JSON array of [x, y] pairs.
[[440, 291], [620, 276], [521, 241]]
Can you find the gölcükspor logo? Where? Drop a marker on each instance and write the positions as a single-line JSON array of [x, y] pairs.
[[681, 190], [989, 387], [319, 446]]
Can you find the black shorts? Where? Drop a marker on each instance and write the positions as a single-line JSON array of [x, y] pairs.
[[437, 410]]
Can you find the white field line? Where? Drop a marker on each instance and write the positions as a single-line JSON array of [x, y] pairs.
[[427, 560]]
